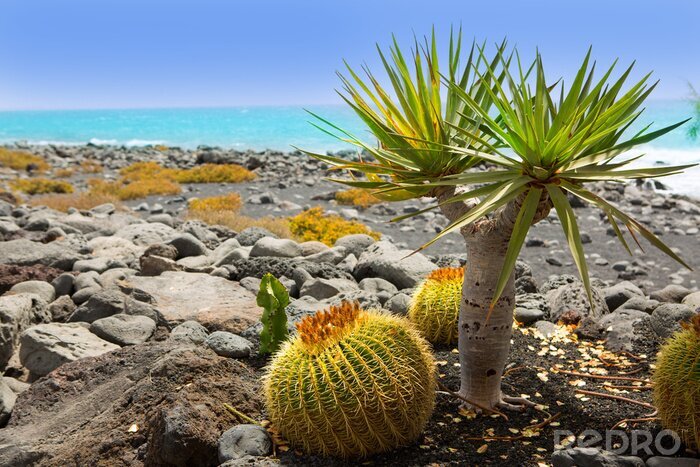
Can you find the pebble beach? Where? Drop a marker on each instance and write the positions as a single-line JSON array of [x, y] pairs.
[[125, 325]]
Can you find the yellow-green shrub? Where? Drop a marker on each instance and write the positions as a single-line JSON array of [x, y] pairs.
[[677, 383], [205, 173], [81, 201], [356, 197], [351, 383], [38, 186], [314, 224], [215, 173], [434, 307], [227, 202], [19, 160], [146, 171], [235, 221]]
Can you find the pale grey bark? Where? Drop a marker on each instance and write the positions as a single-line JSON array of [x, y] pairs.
[[484, 345]]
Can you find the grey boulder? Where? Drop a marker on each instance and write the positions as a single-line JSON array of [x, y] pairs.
[[692, 300], [398, 304], [666, 318], [325, 288], [229, 345], [190, 331], [106, 302], [46, 291], [331, 255], [188, 245], [45, 347], [570, 303], [672, 293], [248, 237], [63, 284], [61, 309], [383, 259], [18, 313], [244, 440], [276, 247], [356, 243], [531, 307], [27, 253], [123, 329], [618, 294]]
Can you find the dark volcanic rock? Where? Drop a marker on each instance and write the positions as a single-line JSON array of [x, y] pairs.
[[11, 274], [571, 304], [278, 267], [150, 404], [27, 253]]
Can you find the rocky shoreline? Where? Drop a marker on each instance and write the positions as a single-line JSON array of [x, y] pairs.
[[124, 329]]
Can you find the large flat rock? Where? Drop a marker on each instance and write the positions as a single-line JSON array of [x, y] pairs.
[[45, 347], [27, 253], [215, 302]]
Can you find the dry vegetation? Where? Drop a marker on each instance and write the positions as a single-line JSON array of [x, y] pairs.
[[81, 201], [314, 224], [235, 221], [223, 210], [40, 186], [144, 179], [356, 197], [228, 202], [310, 225], [214, 173], [20, 160], [205, 173]]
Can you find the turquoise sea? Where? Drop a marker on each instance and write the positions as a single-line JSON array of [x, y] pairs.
[[279, 128]]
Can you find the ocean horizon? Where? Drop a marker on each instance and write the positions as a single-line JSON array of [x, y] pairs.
[[281, 127]]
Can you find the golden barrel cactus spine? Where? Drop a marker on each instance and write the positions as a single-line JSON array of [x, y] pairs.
[[677, 383], [351, 383], [434, 306]]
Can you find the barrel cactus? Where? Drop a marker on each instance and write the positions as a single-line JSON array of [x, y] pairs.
[[435, 305], [351, 383], [677, 383]]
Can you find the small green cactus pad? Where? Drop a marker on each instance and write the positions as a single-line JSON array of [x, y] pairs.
[[677, 383], [434, 306], [351, 383]]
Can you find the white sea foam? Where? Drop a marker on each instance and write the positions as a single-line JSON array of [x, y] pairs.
[[669, 156], [144, 142], [101, 142], [687, 182]]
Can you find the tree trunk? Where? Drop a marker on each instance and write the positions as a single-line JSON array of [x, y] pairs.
[[484, 339], [484, 346]]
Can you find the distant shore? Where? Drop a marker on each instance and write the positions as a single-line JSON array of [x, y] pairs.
[[290, 181]]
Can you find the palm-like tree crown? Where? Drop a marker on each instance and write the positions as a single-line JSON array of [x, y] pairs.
[[546, 140]]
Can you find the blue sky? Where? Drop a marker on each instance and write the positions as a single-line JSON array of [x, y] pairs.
[[64, 54]]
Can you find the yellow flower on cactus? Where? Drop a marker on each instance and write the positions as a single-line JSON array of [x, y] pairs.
[[351, 383], [434, 306]]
